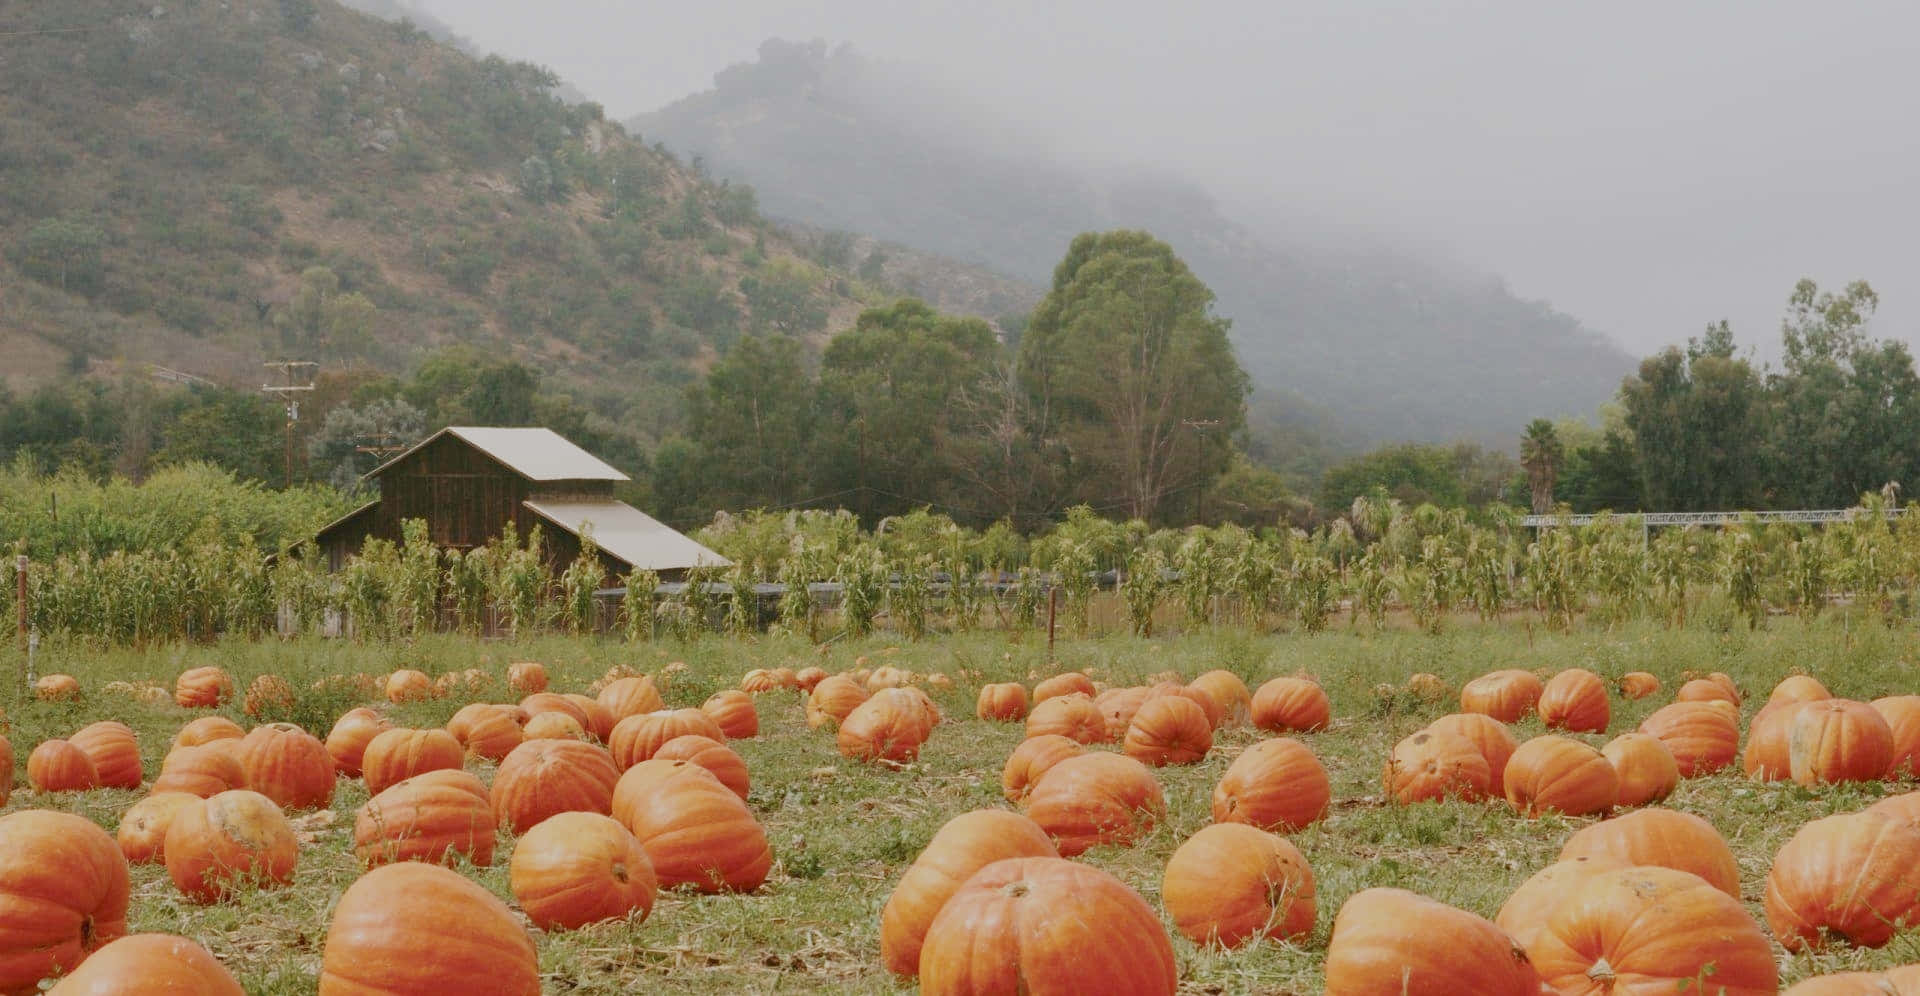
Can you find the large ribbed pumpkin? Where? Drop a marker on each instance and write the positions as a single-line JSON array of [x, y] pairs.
[[206, 730], [1032, 925], [413, 929], [1064, 683], [599, 721], [1652, 929], [1560, 774], [233, 839], [1638, 685], [1034, 757], [1096, 799], [1703, 736], [1231, 883], [635, 738], [347, 741], [1524, 914], [831, 700], [1663, 837], [1389, 941], [1902, 981], [203, 770], [632, 696], [1838, 740], [543, 777], [59, 766], [554, 726], [115, 754], [408, 685], [1117, 707], [527, 677], [288, 765], [202, 688], [68, 885], [1647, 770], [1706, 690], [427, 818], [1275, 785], [1229, 693], [1004, 702], [1798, 688], [1853, 877], [1286, 705], [1494, 741], [1168, 729], [733, 711], [1576, 700], [574, 869], [698, 833], [1506, 695], [712, 755], [395, 755], [1765, 757], [966, 844], [1902, 713], [1904, 808], [485, 730], [1431, 766], [888, 728], [143, 828], [1072, 715], [150, 964]]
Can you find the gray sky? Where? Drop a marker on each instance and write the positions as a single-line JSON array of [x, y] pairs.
[[1645, 166]]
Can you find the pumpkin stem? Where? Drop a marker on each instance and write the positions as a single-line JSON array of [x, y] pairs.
[[1018, 890], [620, 872], [1601, 973]]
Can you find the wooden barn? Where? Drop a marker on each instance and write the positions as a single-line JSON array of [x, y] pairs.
[[468, 483]]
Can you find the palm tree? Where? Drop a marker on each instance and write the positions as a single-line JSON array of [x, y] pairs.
[[1540, 454]]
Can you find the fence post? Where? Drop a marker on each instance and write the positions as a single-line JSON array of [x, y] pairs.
[[1053, 604], [20, 583]]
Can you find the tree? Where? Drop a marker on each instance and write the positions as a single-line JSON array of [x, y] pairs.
[[1128, 366], [64, 252], [335, 451], [752, 421], [782, 296], [1541, 454], [1698, 421], [1415, 474]]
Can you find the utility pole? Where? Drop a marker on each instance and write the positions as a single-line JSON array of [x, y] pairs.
[[291, 371]]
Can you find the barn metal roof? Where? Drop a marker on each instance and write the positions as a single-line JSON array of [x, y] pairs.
[[629, 534], [534, 453]]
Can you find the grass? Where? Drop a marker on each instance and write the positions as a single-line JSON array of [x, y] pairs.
[[843, 832]]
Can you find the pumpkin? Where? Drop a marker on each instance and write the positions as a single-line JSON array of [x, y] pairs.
[[1507, 695], [1208, 706], [408, 685], [59, 766], [882, 677], [1525, 912], [1432, 766], [202, 688], [1274, 785], [1072, 715], [573, 869], [1562, 775], [1490, 736], [1647, 770], [143, 827], [413, 929], [1663, 837], [1636, 685], [1229, 694], [1231, 883], [527, 677], [1427, 687], [149, 963], [632, 696], [1902, 981], [734, 713], [395, 755], [543, 777], [1904, 808], [539, 702], [1838, 740], [1765, 757], [347, 742], [832, 699], [1117, 706], [1652, 929], [643, 779], [599, 721], [1291, 704], [1575, 700], [485, 730], [206, 730], [268, 695], [1703, 736], [1706, 690], [204, 770], [759, 680], [1025, 925], [637, 737], [554, 726], [1168, 729], [711, 754], [698, 833], [57, 688], [966, 844], [1065, 683], [1373, 951], [68, 876], [426, 818], [1094, 799], [1034, 757], [1005, 702], [807, 678], [1902, 713], [114, 751], [888, 728], [1854, 877], [288, 765], [236, 837], [1798, 688]]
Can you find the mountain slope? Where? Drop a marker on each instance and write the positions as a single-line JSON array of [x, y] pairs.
[[1391, 346]]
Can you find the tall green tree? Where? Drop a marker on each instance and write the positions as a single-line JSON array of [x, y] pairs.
[[1131, 370], [1541, 454], [752, 422], [1698, 420]]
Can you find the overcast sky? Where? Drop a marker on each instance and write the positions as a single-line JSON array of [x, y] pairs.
[[1645, 166]]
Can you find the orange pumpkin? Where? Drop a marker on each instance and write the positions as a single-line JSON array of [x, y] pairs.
[[149, 963], [1064, 683], [1838, 740], [1230, 883], [543, 777], [639, 782], [1652, 929], [143, 828], [554, 726], [527, 677], [1168, 729], [1663, 837], [889, 728], [408, 685], [1117, 707], [734, 713], [1524, 914], [1703, 736], [1286, 705], [1274, 785], [966, 844], [59, 766], [288, 765], [1903, 808], [1902, 713], [204, 770], [347, 741], [1638, 685], [1490, 736], [57, 688], [114, 752], [1853, 877], [235, 837], [832, 699], [599, 721], [573, 869], [632, 696], [760, 680], [712, 755], [485, 730], [413, 929], [637, 737], [1432, 766], [1562, 775], [395, 755], [807, 678], [1094, 799], [1706, 690], [1507, 695], [1576, 700], [206, 730], [1798, 688], [1373, 951], [1902, 981], [426, 818], [1072, 715], [1005, 702], [202, 688], [1765, 757], [1647, 770], [1022, 925], [1229, 693], [70, 875], [1034, 757], [698, 833]]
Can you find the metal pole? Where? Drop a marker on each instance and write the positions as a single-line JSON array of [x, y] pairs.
[[1053, 604], [20, 584]]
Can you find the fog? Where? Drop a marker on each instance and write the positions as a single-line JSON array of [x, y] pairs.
[[1648, 167]]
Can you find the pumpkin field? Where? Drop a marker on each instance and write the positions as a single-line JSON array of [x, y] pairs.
[[773, 846]]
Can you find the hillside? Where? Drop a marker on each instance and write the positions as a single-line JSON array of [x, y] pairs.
[[1388, 345]]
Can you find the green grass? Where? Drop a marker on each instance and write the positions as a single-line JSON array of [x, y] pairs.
[[843, 832]]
